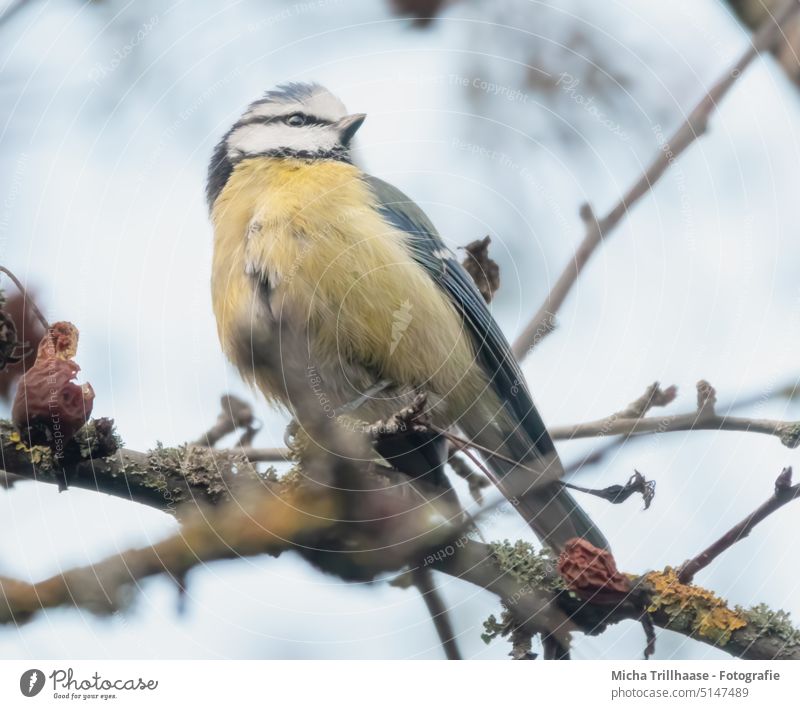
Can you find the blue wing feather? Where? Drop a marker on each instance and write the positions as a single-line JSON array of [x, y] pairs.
[[549, 508], [491, 346]]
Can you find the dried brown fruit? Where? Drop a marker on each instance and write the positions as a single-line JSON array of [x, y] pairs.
[[591, 572], [50, 407], [482, 268]]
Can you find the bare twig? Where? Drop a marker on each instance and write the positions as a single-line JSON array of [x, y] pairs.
[[703, 419], [234, 414], [477, 483], [784, 493], [653, 396], [787, 431], [596, 230], [27, 302], [787, 390], [706, 398], [423, 580]]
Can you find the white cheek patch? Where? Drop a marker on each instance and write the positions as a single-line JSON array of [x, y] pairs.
[[245, 140], [259, 138]]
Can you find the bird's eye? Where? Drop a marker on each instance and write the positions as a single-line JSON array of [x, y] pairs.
[[295, 119]]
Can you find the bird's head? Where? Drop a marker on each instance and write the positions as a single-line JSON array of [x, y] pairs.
[[294, 120]]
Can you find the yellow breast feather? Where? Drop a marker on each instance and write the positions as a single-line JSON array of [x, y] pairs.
[[313, 231]]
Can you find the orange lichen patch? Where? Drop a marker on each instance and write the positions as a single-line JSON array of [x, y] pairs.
[[691, 607], [591, 572]]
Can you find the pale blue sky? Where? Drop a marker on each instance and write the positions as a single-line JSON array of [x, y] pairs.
[[108, 114]]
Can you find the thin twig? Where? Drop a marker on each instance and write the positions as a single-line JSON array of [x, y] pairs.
[[596, 230], [234, 414], [787, 390], [26, 301], [784, 493], [423, 580], [787, 431], [476, 482]]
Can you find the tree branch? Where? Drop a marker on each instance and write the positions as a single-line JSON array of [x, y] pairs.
[[163, 478], [257, 524], [271, 517], [423, 580], [234, 414], [787, 431], [784, 493]]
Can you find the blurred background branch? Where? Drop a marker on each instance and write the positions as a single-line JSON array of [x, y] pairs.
[[753, 13], [11, 9], [599, 229]]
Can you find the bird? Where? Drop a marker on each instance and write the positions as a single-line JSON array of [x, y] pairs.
[[302, 235]]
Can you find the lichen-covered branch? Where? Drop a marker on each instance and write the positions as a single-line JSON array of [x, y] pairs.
[[164, 478], [756, 633], [276, 516]]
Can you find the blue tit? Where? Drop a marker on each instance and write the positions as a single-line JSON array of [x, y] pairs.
[[303, 236]]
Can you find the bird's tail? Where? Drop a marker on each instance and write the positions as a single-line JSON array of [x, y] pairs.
[[527, 470]]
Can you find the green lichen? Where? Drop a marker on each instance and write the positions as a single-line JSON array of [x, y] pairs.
[[767, 622], [506, 627], [159, 472], [528, 566], [531, 568], [790, 434], [692, 609], [494, 628], [93, 442], [292, 479]]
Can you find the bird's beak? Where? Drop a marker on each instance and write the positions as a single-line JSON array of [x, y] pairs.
[[349, 125]]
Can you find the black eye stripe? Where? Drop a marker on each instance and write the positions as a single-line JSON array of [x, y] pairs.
[[267, 120]]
